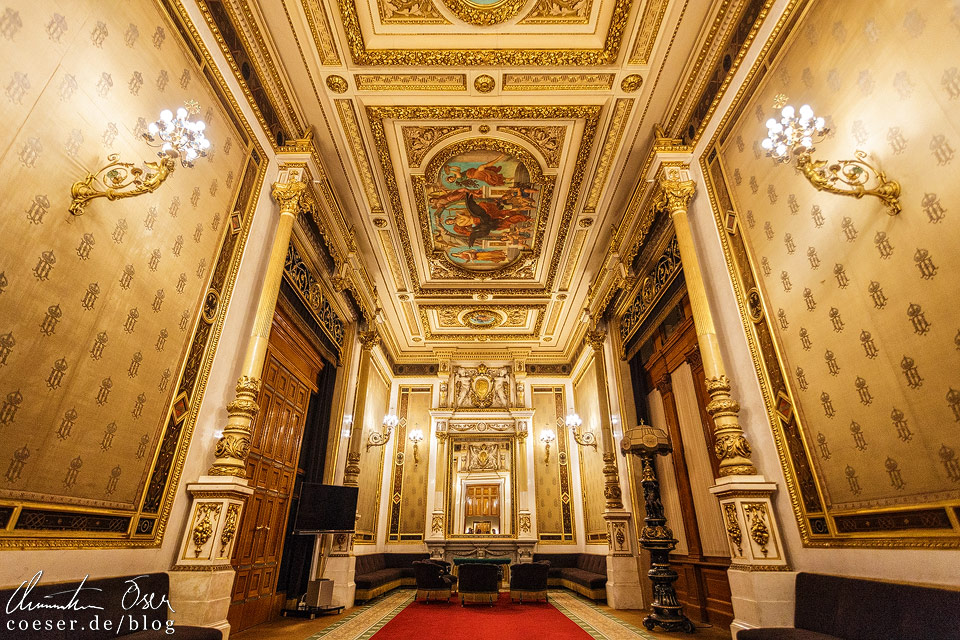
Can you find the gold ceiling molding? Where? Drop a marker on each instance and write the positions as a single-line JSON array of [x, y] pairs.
[[377, 114], [351, 129], [386, 242], [320, 30], [576, 247], [558, 81], [410, 311], [649, 28], [254, 45], [484, 14], [481, 335], [611, 141], [524, 266], [410, 81], [419, 140], [409, 12], [554, 317], [481, 317], [485, 57], [559, 12], [337, 84], [548, 140]]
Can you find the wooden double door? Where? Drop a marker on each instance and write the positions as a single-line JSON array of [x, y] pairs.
[[289, 379], [672, 366]]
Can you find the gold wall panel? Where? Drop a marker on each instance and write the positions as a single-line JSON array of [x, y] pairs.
[[377, 399], [649, 28], [611, 142], [559, 12], [411, 81], [858, 347], [587, 406], [576, 248], [102, 349], [409, 12], [552, 477], [558, 81], [408, 500], [351, 130]]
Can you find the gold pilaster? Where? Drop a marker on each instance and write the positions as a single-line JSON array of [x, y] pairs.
[[368, 341], [233, 446], [675, 191], [611, 486]]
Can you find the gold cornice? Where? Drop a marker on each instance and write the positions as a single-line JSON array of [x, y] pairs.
[[410, 81], [485, 57], [558, 81], [611, 142], [354, 136], [319, 29], [483, 335], [377, 114]]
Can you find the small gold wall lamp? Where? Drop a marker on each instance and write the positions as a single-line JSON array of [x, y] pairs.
[[793, 136], [177, 138]]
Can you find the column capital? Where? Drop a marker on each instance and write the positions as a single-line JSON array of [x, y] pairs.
[[676, 189], [368, 339], [595, 338], [287, 194]]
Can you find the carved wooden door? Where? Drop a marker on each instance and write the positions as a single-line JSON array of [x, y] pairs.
[[700, 562], [288, 379]]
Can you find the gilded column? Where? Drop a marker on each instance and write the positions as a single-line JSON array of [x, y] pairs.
[[368, 341], [233, 446], [676, 190], [611, 489]]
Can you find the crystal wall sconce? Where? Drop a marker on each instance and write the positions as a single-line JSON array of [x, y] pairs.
[[546, 437], [584, 439], [177, 138], [793, 138], [380, 438], [416, 437]]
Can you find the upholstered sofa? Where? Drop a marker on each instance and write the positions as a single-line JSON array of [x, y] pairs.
[[838, 608], [585, 573], [377, 573], [528, 581], [130, 607]]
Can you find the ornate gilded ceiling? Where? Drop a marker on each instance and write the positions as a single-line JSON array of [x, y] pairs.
[[480, 151]]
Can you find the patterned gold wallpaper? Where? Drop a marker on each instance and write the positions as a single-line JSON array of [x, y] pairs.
[[97, 312], [862, 305], [377, 398], [408, 515], [591, 463], [552, 475]]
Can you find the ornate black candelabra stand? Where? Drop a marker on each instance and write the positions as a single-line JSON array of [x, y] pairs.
[[646, 443]]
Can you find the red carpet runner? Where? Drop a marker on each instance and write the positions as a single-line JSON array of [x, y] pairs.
[[502, 621]]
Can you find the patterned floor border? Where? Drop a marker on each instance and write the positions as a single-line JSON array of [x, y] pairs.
[[369, 618], [363, 623], [600, 624]]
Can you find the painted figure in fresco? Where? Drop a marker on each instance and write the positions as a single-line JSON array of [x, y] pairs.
[[482, 205]]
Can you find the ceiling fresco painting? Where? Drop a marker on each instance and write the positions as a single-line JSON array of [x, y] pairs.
[[482, 208]]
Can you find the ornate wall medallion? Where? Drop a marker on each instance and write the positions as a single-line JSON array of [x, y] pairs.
[[484, 83], [631, 83], [485, 12], [337, 84], [482, 319]]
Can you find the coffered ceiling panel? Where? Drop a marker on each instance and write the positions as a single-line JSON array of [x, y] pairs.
[[480, 151]]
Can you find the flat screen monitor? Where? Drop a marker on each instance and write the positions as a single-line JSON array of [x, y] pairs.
[[326, 508]]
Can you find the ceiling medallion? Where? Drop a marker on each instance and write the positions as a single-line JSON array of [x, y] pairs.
[[484, 200], [631, 83], [586, 222], [337, 84], [484, 128], [485, 12], [380, 223], [484, 83], [482, 319]]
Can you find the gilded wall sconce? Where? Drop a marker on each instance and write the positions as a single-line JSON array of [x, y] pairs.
[[584, 439], [177, 138], [416, 436], [546, 437], [793, 137], [380, 438]]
